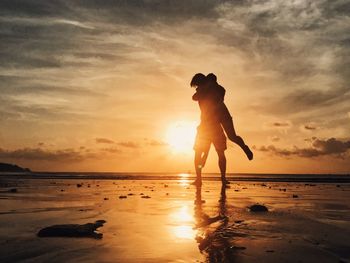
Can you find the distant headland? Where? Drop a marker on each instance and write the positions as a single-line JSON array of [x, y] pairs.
[[7, 167]]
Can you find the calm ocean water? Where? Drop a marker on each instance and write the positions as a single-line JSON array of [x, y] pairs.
[[317, 178]]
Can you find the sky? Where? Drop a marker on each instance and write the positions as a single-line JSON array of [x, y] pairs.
[[99, 85]]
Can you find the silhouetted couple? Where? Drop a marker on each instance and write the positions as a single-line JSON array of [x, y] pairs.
[[215, 118]]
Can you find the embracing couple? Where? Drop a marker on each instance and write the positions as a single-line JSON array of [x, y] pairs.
[[215, 119]]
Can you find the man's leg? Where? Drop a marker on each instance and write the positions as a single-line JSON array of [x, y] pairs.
[[198, 167], [204, 157], [222, 165]]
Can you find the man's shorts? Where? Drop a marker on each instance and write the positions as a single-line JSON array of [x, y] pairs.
[[210, 134]]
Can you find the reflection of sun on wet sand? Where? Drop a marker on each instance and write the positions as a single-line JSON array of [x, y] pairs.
[[178, 222]]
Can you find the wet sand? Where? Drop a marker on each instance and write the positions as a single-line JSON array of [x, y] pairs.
[[178, 223]]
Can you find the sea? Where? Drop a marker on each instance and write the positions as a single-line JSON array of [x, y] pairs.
[[307, 178]]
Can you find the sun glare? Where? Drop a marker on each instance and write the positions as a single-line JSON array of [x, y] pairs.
[[180, 136]]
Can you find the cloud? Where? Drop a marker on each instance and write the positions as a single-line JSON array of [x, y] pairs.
[[44, 155], [111, 150], [60, 155], [152, 142], [309, 127], [279, 125], [328, 147], [129, 144], [104, 140], [275, 139]]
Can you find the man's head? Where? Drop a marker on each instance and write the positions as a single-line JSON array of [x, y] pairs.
[[198, 80], [211, 77]]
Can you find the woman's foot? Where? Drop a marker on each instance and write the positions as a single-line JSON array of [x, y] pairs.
[[248, 152], [197, 182]]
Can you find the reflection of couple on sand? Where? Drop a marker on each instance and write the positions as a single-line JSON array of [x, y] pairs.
[[215, 118], [213, 240]]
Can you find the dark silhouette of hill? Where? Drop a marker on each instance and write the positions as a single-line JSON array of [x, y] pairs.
[[7, 167]]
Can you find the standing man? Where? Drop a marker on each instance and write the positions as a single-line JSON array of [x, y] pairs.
[[209, 130]]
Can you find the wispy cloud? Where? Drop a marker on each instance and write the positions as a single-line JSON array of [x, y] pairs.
[[70, 155], [104, 140], [327, 147]]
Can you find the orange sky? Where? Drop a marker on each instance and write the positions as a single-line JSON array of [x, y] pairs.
[[96, 88]]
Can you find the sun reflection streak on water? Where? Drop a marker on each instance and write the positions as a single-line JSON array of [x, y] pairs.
[[184, 221], [184, 232], [184, 179]]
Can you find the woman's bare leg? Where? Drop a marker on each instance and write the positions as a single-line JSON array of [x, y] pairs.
[[231, 134]]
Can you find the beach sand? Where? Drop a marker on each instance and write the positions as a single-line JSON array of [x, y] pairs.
[[178, 223]]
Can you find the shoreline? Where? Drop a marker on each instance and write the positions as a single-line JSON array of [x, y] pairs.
[[293, 178]]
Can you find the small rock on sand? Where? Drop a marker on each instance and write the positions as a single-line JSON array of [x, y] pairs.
[[258, 208], [79, 185], [106, 198], [145, 196], [122, 197], [13, 190], [295, 196]]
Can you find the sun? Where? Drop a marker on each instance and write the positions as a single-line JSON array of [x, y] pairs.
[[180, 136]]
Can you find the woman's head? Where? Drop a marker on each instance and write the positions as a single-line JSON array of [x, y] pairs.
[[198, 80], [212, 77]]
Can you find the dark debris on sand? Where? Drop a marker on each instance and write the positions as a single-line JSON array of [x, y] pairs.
[[258, 208], [73, 230]]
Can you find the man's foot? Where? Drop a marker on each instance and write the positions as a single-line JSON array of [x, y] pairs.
[[225, 181], [197, 182], [248, 152]]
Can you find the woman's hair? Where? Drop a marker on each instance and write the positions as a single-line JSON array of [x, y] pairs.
[[212, 77], [198, 79]]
